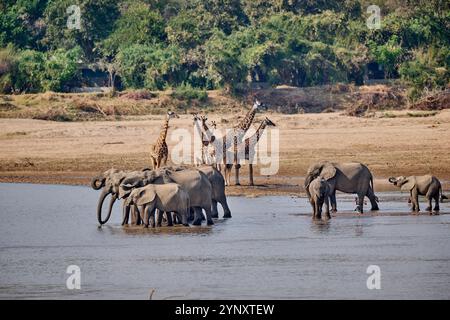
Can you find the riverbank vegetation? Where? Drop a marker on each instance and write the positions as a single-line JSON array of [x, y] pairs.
[[198, 45]]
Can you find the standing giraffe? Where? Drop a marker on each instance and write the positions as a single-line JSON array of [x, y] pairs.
[[237, 135], [159, 151], [247, 148], [232, 138]]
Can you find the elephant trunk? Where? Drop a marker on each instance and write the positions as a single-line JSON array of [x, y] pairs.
[[95, 182], [392, 180], [308, 180], [100, 205]]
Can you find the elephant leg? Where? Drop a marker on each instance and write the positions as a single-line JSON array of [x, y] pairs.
[[198, 215], [327, 208], [250, 173], [139, 217], [209, 220], [226, 209], [333, 201], [125, 215], [313, 205], [373, 200], [146, 216], [191, 214], [215, 213], [153, 217], [169, 219], [317, 210], [236, 168], [430, 205], [134, 215], [159, 216], [360, 205], [436, 203], [415, 200]]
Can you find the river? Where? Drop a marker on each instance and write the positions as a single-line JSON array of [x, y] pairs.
[[270, 249]]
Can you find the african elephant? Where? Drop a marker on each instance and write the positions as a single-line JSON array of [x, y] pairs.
[[427, 185], [319, 192], [350, 177], [169, 197], [218, 190], [217, 181], [194, 182], [110, 181]]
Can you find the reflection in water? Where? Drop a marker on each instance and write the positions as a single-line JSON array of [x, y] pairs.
[[359, 228], [296, 257], [320, 226]]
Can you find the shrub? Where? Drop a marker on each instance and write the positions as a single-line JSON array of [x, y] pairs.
[[186, 92]]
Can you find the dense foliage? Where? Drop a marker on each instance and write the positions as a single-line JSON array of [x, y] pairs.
[[222, 43]]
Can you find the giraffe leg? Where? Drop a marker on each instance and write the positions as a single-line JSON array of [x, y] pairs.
[[237, 167], [153, 163]]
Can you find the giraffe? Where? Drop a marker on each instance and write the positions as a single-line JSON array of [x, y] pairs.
[[204, 139], [159, 151], [232, 138], [238, 134], [247, 148]]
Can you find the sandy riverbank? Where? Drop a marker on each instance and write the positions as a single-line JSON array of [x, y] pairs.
[[39, 151]]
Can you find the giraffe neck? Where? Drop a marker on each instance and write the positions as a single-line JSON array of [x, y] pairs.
[[259, 132], [244, 125], [205, 130], [163, 133]]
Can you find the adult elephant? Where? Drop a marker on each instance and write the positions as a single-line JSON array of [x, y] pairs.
[[109, 182], [217, 183], [218, 190], [349, 177], [194, 182]]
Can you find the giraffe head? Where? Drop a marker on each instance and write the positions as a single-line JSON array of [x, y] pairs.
[[171, 114], [258, 105], [214, 124], [204, 119], [268, 122]]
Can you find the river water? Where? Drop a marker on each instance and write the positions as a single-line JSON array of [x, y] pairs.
[[270, 249]]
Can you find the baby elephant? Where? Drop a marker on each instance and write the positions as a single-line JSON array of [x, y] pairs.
[[427, 185], [318, 193], [169, 197]]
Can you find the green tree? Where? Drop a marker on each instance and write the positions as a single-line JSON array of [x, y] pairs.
[[97, 20], [138, 24]]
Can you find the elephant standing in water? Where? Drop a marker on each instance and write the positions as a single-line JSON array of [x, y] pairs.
[[351, 177], [110, 181], [427, 185], [218, 190], [319, 192], [169, 197]]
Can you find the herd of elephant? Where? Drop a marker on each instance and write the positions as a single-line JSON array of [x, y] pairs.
[[180, 194], [324, 178]]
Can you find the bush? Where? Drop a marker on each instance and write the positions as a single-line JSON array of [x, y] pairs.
[[187, 92], [428, 71]]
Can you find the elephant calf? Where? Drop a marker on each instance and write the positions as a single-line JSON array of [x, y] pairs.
[[169, 197], [319, 193], [427, 185]]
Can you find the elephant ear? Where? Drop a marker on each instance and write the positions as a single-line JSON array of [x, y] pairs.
[[146, 196], [408, 185], [328, 171]]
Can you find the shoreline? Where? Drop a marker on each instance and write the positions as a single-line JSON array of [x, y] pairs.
[[36, 151]]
